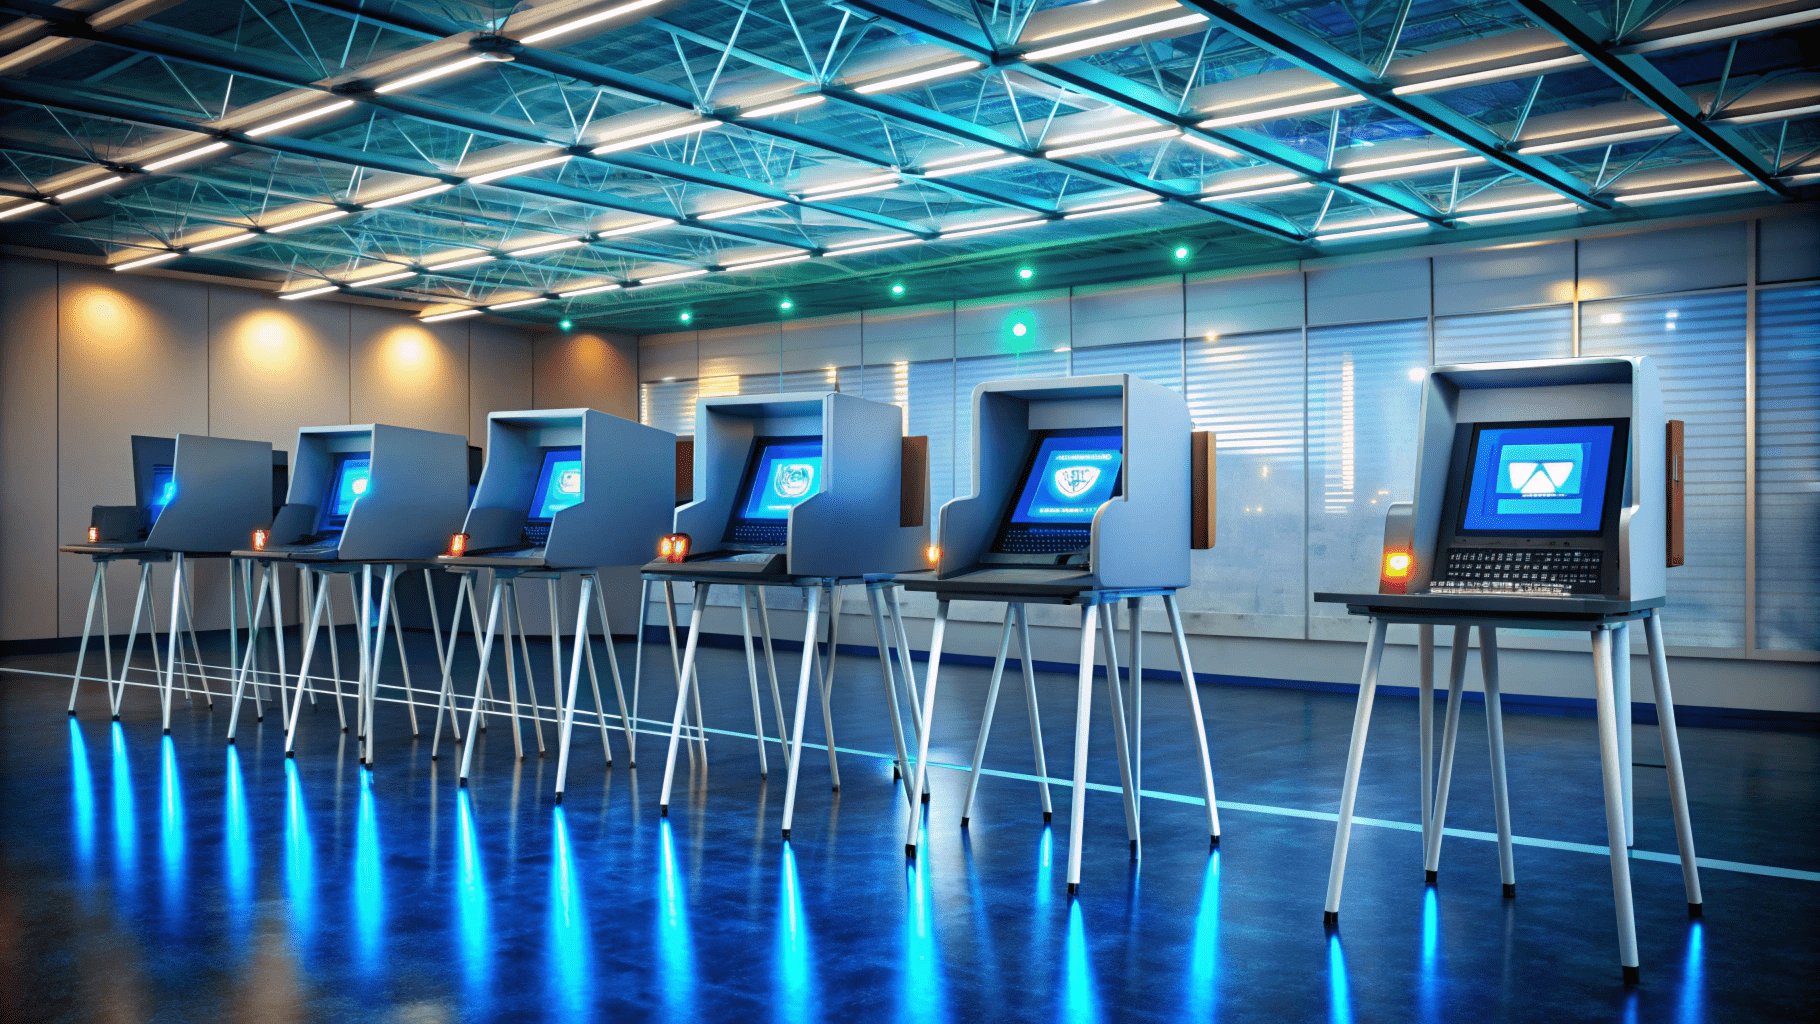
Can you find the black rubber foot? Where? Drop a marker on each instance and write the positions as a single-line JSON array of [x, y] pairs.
[[291, 754], [559, 798], [1074, 888], [786, 835], [610, 764], [1134, 849], [925, 798], [540, 755], [116, 718], [344, 728], [432, 757], [1632, 976], [894, 775], [167, 732], [464, 783], [1049, 815], [1330, 918], [230, 741], [663, 811], [837, 789], [72, 712], [910, 851], [1694, 910], [211, 705], [631, 764], [1213, 842], [963, 822], [1510, 891], [1431, 877], [258, 718]]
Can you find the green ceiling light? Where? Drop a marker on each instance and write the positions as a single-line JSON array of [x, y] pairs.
[[1182, 253], [567, 325], [1020, 329], [1025, 273], [786, 305], [897, 289], [687, 316]]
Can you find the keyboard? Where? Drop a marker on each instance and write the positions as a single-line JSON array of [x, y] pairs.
[[1520, 572], [774, 533], [537, 534], [1031, 539]]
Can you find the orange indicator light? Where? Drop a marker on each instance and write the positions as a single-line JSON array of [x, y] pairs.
[[933, 553], [673, 547], [259, 539], [1396, 564], [94, 534], [458, 545]]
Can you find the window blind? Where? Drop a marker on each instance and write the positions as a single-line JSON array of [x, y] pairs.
[[1546, 332], [1788, 469], [1158, 361]]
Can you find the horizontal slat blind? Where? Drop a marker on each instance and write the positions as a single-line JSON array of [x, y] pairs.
[[1788, 469], [1158, 361], [1546, 332], [668, 405]]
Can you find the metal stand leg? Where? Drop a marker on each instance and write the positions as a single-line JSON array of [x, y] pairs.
[[833, 597], [1120, 731], [777, 698], [1425, 725], [927, 717], [638, 663], [1450, 732], [979, 745], [107, 637], [251, 656], [524, 650], [568, 708], [1671, 754], [363, 615], [700, 747], [555, 654], [386, 611], [303, 671], [811, 619], [174, 639], [132, 636], [404, 667], [480, 678], [1494, 733], [626, 714], [94, 593], [891, 706], [1194, 710], [1030, 705], [685, 676], [758, 711], [507, 589], [1614, 802], [1083, 719], [1355, 759], [1620, 667], [447, 694], [1135, 646], [189, 629], [328, 619], [278, 640]]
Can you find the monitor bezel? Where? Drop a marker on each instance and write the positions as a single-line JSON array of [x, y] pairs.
[[748, 478], [328, 520], [546, 457], [1616, 472]]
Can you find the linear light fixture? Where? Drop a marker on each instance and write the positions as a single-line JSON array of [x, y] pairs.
[[647, 138], [856, 191], [72, 193], [464, 261], [874, 245], [307, 222], [21, 208], [768, 261], [632, 229], [408, 196], [1407, 169], [451, 315], [188, 154], [973, 168], [1253, 193], [667, 278], [1107, 39], [898, 81], [1521, 213], [784, 106], [532, 250], [1105, 144], [309, 115], [1388, 229], [590, 290], [1276, 113], [1785, 114], [223, 243], [1687, 193], [1255, 181], [146, 261], [1100, 133], [1498, 204], [583, 22], [308, 292], [383, 279], [1101, 211], [997, 225], [1211, 146], [516, 303], [1379, 161], [424, 76], [1597, 140], [1536, 67], [1725, 31], [965, 158], [841, 186], [524, 168], [769, 204]]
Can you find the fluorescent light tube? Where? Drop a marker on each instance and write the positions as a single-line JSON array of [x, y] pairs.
[[883, 243], [90, 187], [768, 261], [1105, 40], [965, 158], [1274, 113], [450, 315], [383, 279], [860, 191], [424, 76], [1499, 204], [307, 222], [516, 303], [667, 278], [1597, 140], [1210, 146], [223, 243], [983, 165], [583, 22], [1681, 193], [1100, 133], [997, 225], [408, 197], [1252, 193], [465, 261], [146, 261], [188, 154], [1105, 144], [533, 250], [1379, 161], [1099, 211], [308, 115], [646, 139], [591, 290], [21, 208], [1400, 171], [737, 210], [308, 292], [784, 106], [914, 77], [1725, 31], [631, 229], [1785, 114], [506, 172], [1335, 236], [1521, 213], [841, 186], [1490, 74], [1256, 181]]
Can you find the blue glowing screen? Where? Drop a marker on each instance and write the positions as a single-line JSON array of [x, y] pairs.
[[1539, 478], [1073, 474], [558, 482], [164, 488], [786, 474], [351, 478]]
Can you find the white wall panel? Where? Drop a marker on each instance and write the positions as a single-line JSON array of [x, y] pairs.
[[1666, 260], [28, 452], [909, 334], [737, 351], [408, 373], [1241, 304], [1506, 277], [822, 341], [588, 370], [1788, 248], [275, 366], [667, 355], [1128, 313], [1366, 292], [500, 374]]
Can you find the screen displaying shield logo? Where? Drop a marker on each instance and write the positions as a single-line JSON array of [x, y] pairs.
[[793, 479], [1074, 481], [569, 481]]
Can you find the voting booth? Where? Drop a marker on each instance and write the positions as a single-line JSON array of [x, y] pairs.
[[194, 496], [1088, 491], [1546, 496], [811, 490], [362, 495], [563, 492]]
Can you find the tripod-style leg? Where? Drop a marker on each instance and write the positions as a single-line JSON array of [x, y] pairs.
[[1620, 669], [1121, 732], [480, 679], [189, 629], [524, 650], [1614, 802], [568, 707], [1030, 705], [1425, 725], [174, 639], [107, 637], [758, 711], [927, 717], [303, 672], [386, 611], [1450, 733], [1494, 734], [404, 667], [827, 680], [132, 635], [363, 601], [626, 714], [891, 708], [278, 639], [1671, 754], [698, 749], [1355, 759], [1136, 646], [685, 676], [600, 706], [638, 664], [88, 619], [247, 660], [429, 595], [508, 591], [905, 661], [979, 744], [795, 750], [555, 652], [328, 618], [1194, 711], [777, 697], [1083, 720], [448, 660]]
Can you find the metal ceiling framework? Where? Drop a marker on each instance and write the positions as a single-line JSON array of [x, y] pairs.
[[607, 162]]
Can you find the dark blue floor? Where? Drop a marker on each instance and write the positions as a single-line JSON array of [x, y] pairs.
[[174, 879]]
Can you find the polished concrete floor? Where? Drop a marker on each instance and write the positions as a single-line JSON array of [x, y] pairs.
[[180, 879]]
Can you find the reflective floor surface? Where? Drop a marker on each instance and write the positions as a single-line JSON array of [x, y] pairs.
[[176, 878]]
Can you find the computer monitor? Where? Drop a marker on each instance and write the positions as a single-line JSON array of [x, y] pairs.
[[559, 486], [164, 488], [347, 482], [781, 473], [1068, 475], [1552, 479]]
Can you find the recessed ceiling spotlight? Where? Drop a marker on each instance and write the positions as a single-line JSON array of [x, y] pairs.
[[686, 316], [1025, 273], [897, 289], [1182, 252], [786, 305], [566, 324]]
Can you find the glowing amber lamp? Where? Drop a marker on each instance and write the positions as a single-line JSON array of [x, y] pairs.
[[458, 545], [259, 539], [94, 534], [934, 553], [673, 547], [1396, 565]]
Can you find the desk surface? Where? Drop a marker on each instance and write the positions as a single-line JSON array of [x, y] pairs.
[[1573, 613]]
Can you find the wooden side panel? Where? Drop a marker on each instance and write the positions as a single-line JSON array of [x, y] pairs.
[[1677, 500], [915, 485], [685, 470], [1205, 493]]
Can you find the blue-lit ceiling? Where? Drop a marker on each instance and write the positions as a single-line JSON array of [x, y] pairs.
[[613, 162]]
